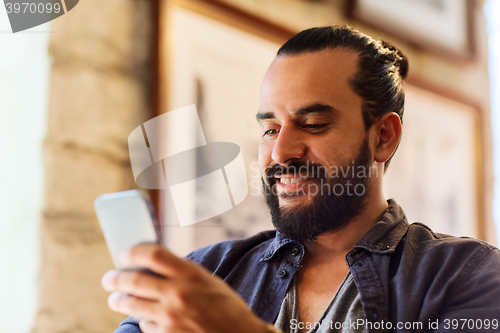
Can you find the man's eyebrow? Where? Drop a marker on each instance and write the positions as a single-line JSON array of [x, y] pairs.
[[314, 108], [264, 115]]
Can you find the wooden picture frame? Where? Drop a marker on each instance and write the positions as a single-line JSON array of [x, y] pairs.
[[441, 26], [182, 84]]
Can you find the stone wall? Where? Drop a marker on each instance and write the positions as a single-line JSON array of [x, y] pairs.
[[99, 92]]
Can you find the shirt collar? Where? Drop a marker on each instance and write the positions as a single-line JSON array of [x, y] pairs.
[[383, 237], [278, 242]]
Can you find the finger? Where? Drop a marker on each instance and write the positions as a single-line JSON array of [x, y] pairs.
[[133, 306], [149, 326], [157, 259], [136, 283]]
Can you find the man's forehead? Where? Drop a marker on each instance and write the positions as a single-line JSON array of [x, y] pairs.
[[336, 61], [319, 78]]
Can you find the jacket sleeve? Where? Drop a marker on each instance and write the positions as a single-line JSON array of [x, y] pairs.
[[474, 303], [129, 325], [218, 258]]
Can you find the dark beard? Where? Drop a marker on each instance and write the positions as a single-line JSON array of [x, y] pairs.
[[330, 210]]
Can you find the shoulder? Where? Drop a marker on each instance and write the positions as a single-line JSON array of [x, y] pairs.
[[466, 254], [422, 236], [221, 257], [464, 273]]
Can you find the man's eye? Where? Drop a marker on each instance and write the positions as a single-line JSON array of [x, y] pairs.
[[270, 132], [315, 127]]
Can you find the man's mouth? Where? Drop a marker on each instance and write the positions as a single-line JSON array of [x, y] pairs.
[[295, 180], [291, 187], [294, 183], [286, 181]]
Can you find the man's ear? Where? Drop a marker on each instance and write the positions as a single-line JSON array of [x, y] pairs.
[[387, 132]]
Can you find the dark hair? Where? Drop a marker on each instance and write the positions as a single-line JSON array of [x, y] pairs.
[[382, 68]]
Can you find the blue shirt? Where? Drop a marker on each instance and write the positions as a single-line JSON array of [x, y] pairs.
[[405, 273]]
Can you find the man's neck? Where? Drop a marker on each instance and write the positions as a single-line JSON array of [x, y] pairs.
[[340, 242]]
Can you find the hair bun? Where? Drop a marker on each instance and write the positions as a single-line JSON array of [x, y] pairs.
[[400, 60], [402, 63]]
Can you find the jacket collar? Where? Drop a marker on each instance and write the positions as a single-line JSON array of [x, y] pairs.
[[386, 234]]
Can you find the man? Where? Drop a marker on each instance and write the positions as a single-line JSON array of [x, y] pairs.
[[344, 258]]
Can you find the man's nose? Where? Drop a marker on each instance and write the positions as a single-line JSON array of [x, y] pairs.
[[288, 146]]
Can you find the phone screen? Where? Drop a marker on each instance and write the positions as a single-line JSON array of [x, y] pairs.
[[127, 219]]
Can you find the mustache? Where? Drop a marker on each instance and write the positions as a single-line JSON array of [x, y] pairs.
[[295, 168]]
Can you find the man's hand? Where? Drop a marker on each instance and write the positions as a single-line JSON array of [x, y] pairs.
[[187, 299]]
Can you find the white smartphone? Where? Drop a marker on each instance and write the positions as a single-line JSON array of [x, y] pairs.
[[127, 219]]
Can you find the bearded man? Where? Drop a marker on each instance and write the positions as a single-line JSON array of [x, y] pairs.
[[343, 258]]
